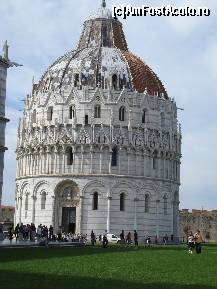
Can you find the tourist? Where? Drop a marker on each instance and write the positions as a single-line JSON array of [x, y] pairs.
[[128, 239], [20, 234], [38, 233], [122, 237], [104, 241], [100, 238], [51, 233], [148, 241], [93, 238], [155, 239], [32, 232], [17, 228], [1, 233], [191, 243], [198, 240], [136, 238], [11, 233]]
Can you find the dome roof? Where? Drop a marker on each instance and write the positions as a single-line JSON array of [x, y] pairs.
[[102, 59]]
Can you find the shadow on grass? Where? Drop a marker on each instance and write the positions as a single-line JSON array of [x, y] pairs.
[[25, 254], [12, 280]]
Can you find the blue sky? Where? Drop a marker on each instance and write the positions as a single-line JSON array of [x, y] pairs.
[[181, 50]]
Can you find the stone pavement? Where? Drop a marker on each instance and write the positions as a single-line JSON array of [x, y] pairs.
[[24, 244]]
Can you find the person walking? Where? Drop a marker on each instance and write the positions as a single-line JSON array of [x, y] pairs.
[[191, 243], [122, 237], [93, 238], [128, 239], [136, 238], [198, 240], [104, 241], [11, 233]]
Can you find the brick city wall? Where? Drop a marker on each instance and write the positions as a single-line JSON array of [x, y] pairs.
[[205, 221]]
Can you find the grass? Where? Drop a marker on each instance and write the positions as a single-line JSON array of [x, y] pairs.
[[168, 267]]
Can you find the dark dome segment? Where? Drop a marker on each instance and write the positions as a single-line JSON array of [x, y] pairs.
[[143, 77]]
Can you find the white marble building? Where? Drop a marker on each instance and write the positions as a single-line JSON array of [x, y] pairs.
[[99, 145]]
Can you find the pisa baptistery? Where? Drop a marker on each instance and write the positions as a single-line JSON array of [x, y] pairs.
[[99, 144]]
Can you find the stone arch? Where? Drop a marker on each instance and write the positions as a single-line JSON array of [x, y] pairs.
[[89, 184], [38, 185], [66, 206], [117, 190], [23, 188]]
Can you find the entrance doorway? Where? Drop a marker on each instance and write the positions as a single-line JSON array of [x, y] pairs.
[[69, 219]]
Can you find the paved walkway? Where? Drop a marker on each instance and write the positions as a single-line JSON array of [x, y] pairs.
[[23, 244]]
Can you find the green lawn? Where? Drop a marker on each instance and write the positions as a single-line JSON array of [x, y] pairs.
[[111, 268]]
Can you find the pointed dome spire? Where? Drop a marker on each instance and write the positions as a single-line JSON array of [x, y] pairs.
[[103, 12]]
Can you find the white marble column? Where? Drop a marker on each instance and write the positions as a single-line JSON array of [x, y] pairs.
[[100, 159], [73, 164], [82, 159], [33, 209], [135, 213], [80, 214], [91, 161], [109, 198], [144, 165], [128, 161], [157, 217], [53, 212], [20, 209], [164, 168], [119, 160], [110, 161], [136, 164]]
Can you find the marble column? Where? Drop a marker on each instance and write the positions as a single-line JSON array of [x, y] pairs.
[[109, 198], [20, 209], [135, 213], [33, 209], [157, 217], [80, 214]]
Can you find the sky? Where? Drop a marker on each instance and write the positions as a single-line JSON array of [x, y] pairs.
[[181, 50]]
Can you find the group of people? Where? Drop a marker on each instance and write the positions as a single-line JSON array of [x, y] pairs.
[[129, 239], [42, 234], [194, 242]]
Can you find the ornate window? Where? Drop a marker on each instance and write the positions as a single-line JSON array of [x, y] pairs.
[[165, 205], [68, 193], [122, 202], [144, 116], [162, 119], [43, 200], [76, 80], [71, 112], [95, 201], [97, 111], [105, 36], [70, 156], [26, 202], [155, 161], [114, 82], [34, 116], [147, 203], [86, 119], [50, 113], [122, 113], [114, 160]]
